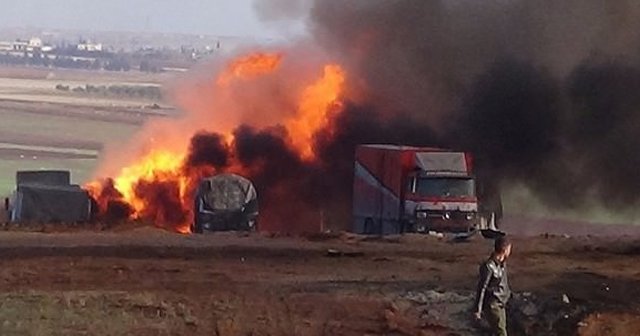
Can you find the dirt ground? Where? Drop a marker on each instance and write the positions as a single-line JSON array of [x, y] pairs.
[[149, 282], [569, 278]]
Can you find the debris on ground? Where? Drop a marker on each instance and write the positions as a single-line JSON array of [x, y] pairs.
[[334, 253], [528, 314], [256, 285], [436, 234]]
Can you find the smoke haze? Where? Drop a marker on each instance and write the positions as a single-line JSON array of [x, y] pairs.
[[543, 93]]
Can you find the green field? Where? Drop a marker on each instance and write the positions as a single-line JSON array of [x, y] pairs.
[[56, 127], [72, 128], [39, 132], [92, 313], [80, 170]]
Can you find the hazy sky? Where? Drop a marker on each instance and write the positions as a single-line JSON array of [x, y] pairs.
[[216, 17]]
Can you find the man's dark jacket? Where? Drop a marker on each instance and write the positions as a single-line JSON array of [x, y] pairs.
[[493, 285]]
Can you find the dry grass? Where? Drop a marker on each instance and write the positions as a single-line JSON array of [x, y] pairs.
[[55, 129], [92, 313]]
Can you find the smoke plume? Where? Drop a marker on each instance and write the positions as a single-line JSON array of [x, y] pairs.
[[543, 92]]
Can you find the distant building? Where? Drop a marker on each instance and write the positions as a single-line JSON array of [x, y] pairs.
[[35, 43], [6, 46], [21, 45], [88, 46], [29, 48]]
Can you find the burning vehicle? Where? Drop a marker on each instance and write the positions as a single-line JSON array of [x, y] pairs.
[[401, 189], [289, 116], [225, 202], [158, 181]]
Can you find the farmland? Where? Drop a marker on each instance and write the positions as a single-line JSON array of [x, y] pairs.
[[42, 127], [128, 278], [149, 282]]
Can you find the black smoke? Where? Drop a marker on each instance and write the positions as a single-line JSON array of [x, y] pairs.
[[163, 203], [208, 149], [513, 119], [108, 205], [544, 93], [288, 187], [568, 139], [605, 118], [335, 148], [301, 195]]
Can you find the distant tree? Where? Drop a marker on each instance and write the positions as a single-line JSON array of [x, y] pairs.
[[117, 64]]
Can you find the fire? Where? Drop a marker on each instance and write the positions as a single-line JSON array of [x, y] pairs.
[[250, 66], [156, 166], [162, 176], [318, 101]]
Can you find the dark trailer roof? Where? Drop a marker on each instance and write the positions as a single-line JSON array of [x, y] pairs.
[[44, 177]]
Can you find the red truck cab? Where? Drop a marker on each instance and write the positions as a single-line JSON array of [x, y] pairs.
[[401, 189]]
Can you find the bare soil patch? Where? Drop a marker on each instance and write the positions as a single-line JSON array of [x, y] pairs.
[[146, 281]]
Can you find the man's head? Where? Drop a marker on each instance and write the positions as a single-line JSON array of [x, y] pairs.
[[502, 247]]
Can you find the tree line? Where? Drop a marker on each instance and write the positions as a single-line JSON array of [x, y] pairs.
[[136, 91]]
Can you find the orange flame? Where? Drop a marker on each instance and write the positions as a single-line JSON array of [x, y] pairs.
[[314, 108], [316, 104], [250, 66], [156, 166]]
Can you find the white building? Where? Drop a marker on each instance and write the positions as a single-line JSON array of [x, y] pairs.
[[25, 48], [20, 45], [35, 43], [88, 46], [6, 46]]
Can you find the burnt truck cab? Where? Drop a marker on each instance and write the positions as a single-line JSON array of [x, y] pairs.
[[225, 202], [443, 201]]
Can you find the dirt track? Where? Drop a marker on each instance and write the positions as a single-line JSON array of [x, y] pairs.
[[149, 282]]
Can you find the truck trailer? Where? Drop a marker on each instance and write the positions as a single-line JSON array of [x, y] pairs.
[[400, 189]]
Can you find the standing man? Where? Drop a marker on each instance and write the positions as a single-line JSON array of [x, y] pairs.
[[493, 288]]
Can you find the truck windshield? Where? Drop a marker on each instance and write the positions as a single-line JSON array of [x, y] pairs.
[[445, 187]]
